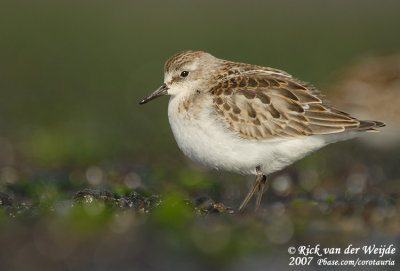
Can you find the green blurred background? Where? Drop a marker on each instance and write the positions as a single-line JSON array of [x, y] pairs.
[[72, 74]]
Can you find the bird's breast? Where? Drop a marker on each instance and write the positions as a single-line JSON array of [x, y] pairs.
[[204, 139], [188, 124]]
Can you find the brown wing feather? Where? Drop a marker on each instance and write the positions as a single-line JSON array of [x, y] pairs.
[[261, 106]]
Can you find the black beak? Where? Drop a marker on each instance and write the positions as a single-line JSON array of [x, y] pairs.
[[163, 90]]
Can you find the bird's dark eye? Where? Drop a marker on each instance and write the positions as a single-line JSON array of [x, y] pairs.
[[184, 73]]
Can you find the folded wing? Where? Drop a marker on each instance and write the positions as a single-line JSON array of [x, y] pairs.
[[262, 106]]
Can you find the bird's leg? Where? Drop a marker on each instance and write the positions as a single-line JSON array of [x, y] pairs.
[[257, 183], [260, 191]]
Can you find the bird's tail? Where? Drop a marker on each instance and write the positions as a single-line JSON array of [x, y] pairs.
[[370, 125]]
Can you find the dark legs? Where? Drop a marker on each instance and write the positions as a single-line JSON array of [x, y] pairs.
[[259, 183], [260, 191]]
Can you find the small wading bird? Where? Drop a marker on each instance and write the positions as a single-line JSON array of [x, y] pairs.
[[248, 119]]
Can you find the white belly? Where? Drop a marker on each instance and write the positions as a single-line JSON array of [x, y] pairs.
[[205, 140]]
